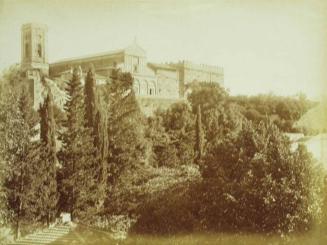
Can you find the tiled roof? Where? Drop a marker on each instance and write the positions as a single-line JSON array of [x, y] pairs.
[[132, 49]]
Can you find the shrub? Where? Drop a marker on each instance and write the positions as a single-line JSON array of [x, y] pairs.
[[169, 205], [172, 211], [118, 225]]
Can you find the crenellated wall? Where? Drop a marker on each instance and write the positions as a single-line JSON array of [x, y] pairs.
[[190, 72]]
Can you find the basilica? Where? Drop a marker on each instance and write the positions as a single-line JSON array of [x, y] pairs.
[[151, 81]]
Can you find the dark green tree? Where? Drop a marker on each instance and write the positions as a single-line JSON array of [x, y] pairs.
[[125, 129], [90, 99], [18, 127], [219, 117], [76, 178], [164, 152], [44, 195], [179, 123], [101, 168], [96, 122], [127, 145], [253, 181]]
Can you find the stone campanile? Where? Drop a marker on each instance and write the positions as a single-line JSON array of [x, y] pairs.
[[34, 55]]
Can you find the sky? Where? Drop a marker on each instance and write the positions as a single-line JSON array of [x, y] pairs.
[[264, 46]]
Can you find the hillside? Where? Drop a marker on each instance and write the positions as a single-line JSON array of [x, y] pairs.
[[315, 119]]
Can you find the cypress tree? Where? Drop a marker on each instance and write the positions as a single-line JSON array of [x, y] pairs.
[[47, 124], [90, 99], [126, 139], [95, 121], [76, 178], [199, 137], [101, 145], [44, 160], [125, 120]]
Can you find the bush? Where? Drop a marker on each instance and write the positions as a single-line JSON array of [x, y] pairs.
[[170, 205], [118, 225], [173, 211]]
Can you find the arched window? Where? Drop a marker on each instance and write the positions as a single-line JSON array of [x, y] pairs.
[[143, 87], [136, 68], [27, 49], [136, 87], [151, 88]]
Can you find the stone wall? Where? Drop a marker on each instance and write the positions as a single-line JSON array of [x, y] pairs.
[[168, 83]]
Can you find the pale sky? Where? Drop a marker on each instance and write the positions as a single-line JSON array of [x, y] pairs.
[[263, 45]]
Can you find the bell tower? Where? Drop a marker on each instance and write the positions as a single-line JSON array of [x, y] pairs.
[[34, 55]]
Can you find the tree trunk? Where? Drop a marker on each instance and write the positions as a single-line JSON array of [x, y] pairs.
[[20, 207], [48, 219], [17, 228], [72, 205]]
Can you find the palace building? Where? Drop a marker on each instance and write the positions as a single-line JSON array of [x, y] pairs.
[[151, 81]]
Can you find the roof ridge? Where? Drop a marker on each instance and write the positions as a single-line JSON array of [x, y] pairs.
[[89, 56]]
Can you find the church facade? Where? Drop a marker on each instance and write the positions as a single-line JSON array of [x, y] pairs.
[[166, 81]]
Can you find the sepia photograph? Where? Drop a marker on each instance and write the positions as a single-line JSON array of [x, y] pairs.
[[161, 122]]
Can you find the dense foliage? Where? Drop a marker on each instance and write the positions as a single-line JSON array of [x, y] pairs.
[[251, 179], [284, 111], [211, 163], [254, 182], [17, 129], [171, 132]]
